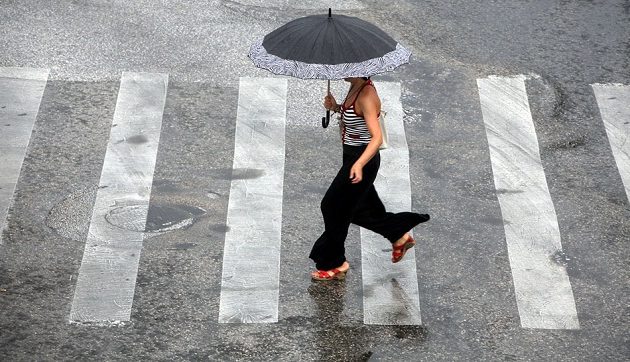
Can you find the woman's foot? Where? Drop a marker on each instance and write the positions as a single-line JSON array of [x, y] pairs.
[[401, 246], [338, 273]]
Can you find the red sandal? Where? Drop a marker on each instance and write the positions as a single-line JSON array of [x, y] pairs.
[[325, 274], [399, 251]]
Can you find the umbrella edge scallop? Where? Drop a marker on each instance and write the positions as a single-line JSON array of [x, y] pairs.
[[389, 61]]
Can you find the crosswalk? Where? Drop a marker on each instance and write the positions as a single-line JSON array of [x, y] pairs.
[[613, 101], [251, 256], [107, 276], [250, 283], [390, 291], [21, 91], [543, 290]]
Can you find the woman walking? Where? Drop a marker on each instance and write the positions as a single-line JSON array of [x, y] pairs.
[[351, 197]]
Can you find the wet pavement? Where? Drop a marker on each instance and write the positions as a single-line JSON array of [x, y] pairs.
[[466, 292]]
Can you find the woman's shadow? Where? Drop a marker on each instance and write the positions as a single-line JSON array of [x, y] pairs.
[[335, 341], [329, 300], [338, 339]]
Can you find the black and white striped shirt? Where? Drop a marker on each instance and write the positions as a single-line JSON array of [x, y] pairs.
[[354, 131]]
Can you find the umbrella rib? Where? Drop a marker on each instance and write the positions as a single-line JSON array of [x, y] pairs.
[[296, 49], [349, 39], [286, 31], [368, 40], [319, 34]]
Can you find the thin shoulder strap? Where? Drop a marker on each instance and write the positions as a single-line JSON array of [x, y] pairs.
[[368, 82]]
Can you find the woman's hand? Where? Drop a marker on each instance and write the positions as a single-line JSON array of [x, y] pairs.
[[356, 173], [330, 102]]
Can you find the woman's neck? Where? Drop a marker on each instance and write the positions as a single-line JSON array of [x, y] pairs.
[[357, 82], [355, 85]]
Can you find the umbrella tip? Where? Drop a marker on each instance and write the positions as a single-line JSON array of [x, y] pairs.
[[329, 12]]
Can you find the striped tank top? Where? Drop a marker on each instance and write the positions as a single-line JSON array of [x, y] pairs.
[[354, 131]]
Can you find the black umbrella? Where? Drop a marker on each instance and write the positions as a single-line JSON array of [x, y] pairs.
[[327, 47]]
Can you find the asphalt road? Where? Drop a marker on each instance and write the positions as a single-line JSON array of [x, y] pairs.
[[467, 296]]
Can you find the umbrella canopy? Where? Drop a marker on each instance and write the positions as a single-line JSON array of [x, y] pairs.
[[328, 47]]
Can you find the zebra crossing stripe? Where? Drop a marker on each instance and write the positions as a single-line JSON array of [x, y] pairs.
[[107, 276], [21, 91], [251, 257], [614, 106], [543, 291], [390, 291]]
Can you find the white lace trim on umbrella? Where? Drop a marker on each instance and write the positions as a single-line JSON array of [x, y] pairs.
[[277, 65]]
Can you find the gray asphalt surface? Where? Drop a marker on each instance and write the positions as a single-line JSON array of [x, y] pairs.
[[466, 293]]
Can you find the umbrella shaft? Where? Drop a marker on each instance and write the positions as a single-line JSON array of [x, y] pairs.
[[326, 120]]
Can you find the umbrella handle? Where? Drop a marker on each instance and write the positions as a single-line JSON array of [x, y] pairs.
[[326, 120]]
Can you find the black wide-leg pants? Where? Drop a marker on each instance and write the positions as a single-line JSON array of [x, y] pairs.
[[345, 203]]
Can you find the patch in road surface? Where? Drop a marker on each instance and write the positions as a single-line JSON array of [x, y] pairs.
[[160, 218], [71, 217]]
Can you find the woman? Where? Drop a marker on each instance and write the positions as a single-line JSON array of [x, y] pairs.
[[352, 198]]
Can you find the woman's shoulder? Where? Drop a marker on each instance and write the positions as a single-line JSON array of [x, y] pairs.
[[369, 94], [369, 91], [369, 99]]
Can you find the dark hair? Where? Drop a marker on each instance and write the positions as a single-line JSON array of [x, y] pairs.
[[365, 78]]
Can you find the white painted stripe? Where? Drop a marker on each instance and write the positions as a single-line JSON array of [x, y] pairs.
[[37, 74], [543, 290], [251, 257], [614, 107], [107, 277], [390, 291], [21, 91]]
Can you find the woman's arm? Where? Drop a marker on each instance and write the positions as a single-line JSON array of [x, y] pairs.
[[370, 106], [330, 103]]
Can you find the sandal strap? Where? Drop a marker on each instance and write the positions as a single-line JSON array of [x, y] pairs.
[[399, 247], [402, 246], [399, 251], [325, 274]]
